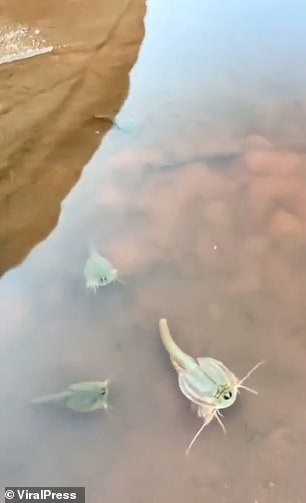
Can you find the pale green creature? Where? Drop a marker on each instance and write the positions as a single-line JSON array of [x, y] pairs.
[[99, 271], [129, 123], [80, 397], [206, 382]]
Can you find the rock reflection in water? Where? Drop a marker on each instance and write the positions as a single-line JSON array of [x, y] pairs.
[[47, 106]]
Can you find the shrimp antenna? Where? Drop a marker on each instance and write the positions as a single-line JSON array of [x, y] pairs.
[[239, 385], [117, 277], [195, 437], [206, 422]]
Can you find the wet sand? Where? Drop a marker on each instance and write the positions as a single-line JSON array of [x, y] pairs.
[[201, 206]]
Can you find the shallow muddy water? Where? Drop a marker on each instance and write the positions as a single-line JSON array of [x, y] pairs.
[[198, 196]]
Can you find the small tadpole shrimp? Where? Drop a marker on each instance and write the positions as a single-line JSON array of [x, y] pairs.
[[99, 271], [81, 397], [206, 382]]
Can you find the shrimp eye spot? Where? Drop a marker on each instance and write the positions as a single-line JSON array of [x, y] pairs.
[[227, 395], [102, 392]]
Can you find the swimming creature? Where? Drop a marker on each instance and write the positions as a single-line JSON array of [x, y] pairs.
[[206, 382], [99, 271], [80, 397]]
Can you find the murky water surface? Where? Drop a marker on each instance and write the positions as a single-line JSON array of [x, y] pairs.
[[199, 199]]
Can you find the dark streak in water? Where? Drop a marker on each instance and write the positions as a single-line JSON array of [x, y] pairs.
[[219, 161]]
